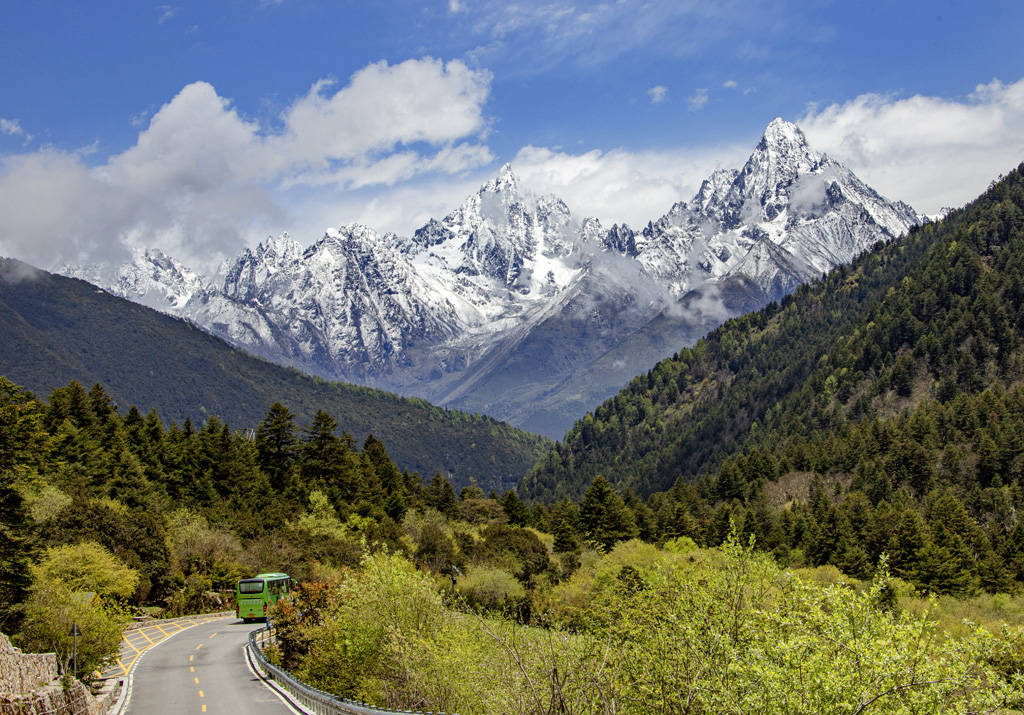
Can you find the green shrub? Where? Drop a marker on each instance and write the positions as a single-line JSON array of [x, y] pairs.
[[492, 589]]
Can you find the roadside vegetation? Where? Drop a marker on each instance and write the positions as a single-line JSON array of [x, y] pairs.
[[642, 630], [569, 607]]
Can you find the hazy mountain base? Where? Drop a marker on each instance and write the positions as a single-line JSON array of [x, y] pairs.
[[644, 631], [533, 379]]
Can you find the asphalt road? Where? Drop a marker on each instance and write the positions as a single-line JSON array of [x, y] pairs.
[[202, 670]]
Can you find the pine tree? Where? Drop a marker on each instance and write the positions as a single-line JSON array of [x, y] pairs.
[[514, 508], [277, 446], [604, 516], [440, 495]]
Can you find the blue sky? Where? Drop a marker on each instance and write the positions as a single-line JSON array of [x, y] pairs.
[[201, 127]]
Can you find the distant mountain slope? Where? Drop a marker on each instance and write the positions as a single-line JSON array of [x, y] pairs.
[[56, 329], [939, 313], [512, 306]]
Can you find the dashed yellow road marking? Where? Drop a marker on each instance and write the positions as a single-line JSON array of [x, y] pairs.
[[201, 694], [190, 658], [204, 708], [199, 646], [191, 669], [213, 634], [197, 680]]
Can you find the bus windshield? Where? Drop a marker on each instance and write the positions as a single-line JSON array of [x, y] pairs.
[[250, 585]]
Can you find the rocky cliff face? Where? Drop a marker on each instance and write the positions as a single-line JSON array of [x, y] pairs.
[[510, 305]]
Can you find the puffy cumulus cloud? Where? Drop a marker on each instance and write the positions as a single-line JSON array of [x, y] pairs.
[[620, 186], [200, 177], [928, 151], [657, 94], [383, 105]]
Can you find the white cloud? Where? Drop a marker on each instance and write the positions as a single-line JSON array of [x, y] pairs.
[[166, 13], [529, 36], [698, 100], [928, 151], [657, 94], [12, 127], [200, 177], [454, 6], [620, 186], [730, 84]]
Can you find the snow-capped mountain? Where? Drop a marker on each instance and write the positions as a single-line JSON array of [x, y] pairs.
[[512, 306]]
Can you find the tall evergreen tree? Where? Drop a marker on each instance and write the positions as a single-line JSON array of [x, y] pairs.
[[277, 446], [604, 516]]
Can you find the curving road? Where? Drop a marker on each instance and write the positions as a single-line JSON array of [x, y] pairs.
[[202, 670]]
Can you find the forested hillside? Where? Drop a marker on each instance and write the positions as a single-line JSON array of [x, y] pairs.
[[877, 412], [924, 323], [58, 329]]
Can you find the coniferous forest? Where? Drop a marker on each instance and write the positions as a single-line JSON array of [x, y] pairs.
[[878, 410]]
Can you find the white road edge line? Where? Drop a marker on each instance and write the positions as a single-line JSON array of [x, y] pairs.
[[126, 688], [271, 686]]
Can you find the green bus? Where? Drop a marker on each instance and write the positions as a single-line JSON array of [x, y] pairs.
[[253, 596]]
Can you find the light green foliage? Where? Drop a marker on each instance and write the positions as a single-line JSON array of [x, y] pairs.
[[321, 520], [45, 502], [570, 603], [58, 599], [491, 589], [86, 567], [680, 545], [722, 631]]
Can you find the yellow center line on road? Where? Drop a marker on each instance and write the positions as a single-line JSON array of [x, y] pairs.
[[191, 669], [190, 658], [199, 646], [204, 708], [201, 694], [213, 634], [197, 680]]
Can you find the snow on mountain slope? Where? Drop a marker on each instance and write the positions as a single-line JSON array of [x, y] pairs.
[[512, 306]]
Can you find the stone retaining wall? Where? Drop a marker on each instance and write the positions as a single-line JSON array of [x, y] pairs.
[[30, 685], [24, 672]]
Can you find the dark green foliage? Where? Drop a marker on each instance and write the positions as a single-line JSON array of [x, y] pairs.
[[935, 313], [191, 510], [523, 544], [604, 516], [58, 329], [514, 508], [879, 410], [277, 446]]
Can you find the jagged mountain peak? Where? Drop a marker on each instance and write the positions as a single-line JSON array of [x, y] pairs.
[[504, 182], [278, 249], [780, 133], [510, 279]]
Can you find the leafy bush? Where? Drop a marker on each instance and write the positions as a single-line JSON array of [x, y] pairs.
[[492, 589], [654, 632]]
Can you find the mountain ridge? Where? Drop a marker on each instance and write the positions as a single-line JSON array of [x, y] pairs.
[[428, 314], [59, 329], [929, 319]]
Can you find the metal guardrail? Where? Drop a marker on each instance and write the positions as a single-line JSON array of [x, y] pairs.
[[306, 696]]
